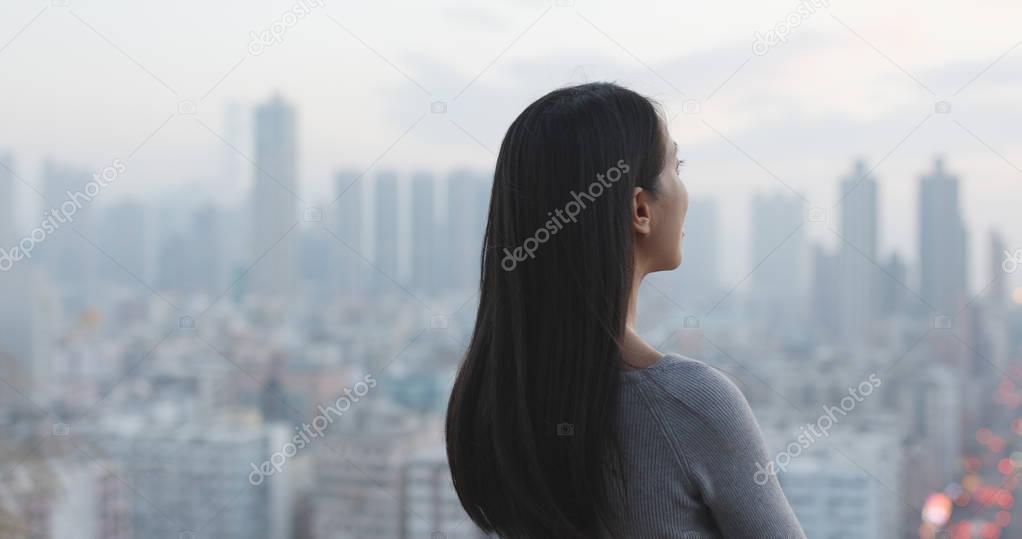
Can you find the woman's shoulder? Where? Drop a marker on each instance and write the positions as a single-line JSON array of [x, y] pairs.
[[675, 373], [687, 385]]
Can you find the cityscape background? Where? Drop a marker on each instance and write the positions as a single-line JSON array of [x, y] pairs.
[[239, 251]]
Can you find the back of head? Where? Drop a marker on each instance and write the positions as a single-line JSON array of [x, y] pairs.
[[531, 423]]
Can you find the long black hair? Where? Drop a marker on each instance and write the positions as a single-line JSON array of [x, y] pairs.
[[531, 424]]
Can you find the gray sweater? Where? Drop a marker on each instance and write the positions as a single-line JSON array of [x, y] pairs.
[[690, 446]]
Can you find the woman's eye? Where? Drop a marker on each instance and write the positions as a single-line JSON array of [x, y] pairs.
[[680, 163]]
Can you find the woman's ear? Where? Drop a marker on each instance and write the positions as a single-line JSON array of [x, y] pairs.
[[642, 212]]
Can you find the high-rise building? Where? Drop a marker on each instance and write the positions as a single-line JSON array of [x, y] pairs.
[[424, 270], [999, 254], [778, 258], [858, 253], [698, 277], [430, 505], [28, 332], [893, 296], [386, 228], [192, 470], [348, 262], [369, 442], [124, 233], [825, 294], [468, 204], [274, 199], [942, 241], [7, 204], [69, 257]]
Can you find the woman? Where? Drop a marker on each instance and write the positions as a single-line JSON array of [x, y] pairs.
[[563, 422]]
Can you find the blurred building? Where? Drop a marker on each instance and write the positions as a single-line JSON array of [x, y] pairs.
[[349, 266], [430, 505], [125, 236], [28, 332], [425, 237], [467, 208], [696, 283], [777, 261], [857, 258], [942, 241], [59, 492], [275, 199], [386, 230], [194, 476], [8, 221], [358, 468], [833, 486], [68, 254]]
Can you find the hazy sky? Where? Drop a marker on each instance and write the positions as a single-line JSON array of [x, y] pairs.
[[88, 82]]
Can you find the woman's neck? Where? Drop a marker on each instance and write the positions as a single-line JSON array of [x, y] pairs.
[[635, 351]]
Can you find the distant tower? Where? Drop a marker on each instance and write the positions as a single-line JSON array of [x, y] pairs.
[[778, 254], [124, 235], [997, 291], [942, 241], [468, 204], [7, 205], [69, 257], [893, 298], [385, 232], [698, 276], [28, 332], [424, 233], [274, 206], [825, 292], [348, 265], [857, 257]]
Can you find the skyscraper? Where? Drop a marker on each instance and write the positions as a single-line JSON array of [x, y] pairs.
[[7, 224], [386, 226], [424, 233], [69, 257], [778, 258], [698, 276], [942, 241], [858, 253], [274, 196], [347, 264], [123, 232], [468, 202]]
